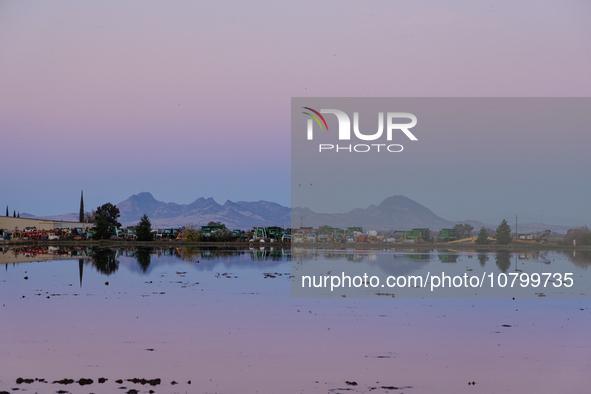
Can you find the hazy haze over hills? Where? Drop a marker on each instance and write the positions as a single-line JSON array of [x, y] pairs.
[[395, 212]]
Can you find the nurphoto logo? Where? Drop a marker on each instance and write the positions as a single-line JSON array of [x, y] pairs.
[[344, 132]]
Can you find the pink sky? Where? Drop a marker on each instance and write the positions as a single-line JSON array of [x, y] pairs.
[[192, 99]]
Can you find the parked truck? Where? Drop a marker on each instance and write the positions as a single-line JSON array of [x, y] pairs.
[[447, 235], [416, 235]]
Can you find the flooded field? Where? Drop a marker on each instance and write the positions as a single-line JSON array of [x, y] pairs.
[[184, 320], [440, 273]]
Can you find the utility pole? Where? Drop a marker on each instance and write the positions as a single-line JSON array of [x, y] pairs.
[[516, 236], [301, 221]]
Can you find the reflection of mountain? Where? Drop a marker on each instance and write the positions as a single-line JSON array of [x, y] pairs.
[[405, 264]]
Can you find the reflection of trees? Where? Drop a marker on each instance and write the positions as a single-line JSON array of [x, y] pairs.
[[189, 254], [503, 260], [580, 258], [263, 255], [482, 259], [80, 269], [143, 257], [105, 261]]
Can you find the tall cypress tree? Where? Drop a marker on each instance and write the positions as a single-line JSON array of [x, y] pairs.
[[81, 215], [7, 211], [13, 214]]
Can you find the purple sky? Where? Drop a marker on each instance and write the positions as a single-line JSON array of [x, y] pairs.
[[191, 99]]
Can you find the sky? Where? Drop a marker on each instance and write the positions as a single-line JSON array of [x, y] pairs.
[[192, 99], [490, 158]]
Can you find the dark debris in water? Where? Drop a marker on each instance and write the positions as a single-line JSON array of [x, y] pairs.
[[151, 382], [83, 381], [87, 381], [224, 275], [22, 380], [351, 384], [64, 381], [390, 388], [273, 274], [386, 294]]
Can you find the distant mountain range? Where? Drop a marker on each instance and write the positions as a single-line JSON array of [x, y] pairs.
[[239, 214], [396, 212], [66, 217]]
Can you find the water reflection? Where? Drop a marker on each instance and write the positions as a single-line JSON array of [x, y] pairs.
[[143, 257], [482, 259], [166, 313], [105, 260], [417, 256], [503, 260], [448, 256], [81, 269], [580, 258]]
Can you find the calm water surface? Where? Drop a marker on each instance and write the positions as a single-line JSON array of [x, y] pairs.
[[226, 322]]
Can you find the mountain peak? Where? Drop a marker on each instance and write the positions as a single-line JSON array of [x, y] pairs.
[[143, 197], [229, 203], [395, 212], [201, 211]]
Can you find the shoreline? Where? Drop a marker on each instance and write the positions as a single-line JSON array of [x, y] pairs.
[[289, 245]]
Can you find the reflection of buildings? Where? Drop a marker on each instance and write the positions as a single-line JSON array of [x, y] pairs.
[[263, 254], [448, 256], [31, 254], [418, 256], [534, 255], [528, 255]]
